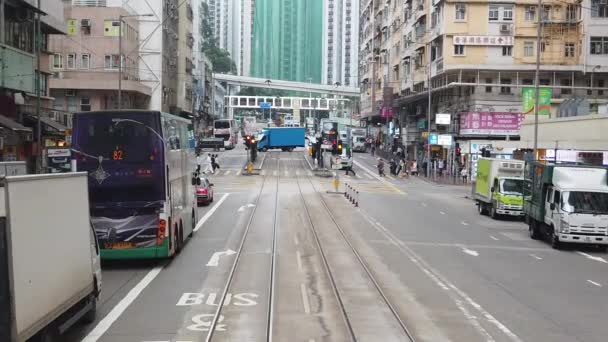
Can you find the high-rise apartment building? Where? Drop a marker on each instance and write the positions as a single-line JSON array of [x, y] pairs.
[[340, 42], [185, 64], [288, 40], [231, 22], [478, 57]]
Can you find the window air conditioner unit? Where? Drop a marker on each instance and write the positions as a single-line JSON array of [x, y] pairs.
[[85, 23], [70, 92], [505, 28]]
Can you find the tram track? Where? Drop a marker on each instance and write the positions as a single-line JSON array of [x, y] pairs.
[[330, 273], [236, 263]]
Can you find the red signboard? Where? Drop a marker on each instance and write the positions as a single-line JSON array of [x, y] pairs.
[[386, 112], [490, 123]]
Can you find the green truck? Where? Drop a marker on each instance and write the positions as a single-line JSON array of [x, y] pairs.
[[498, 188], [567, 203]]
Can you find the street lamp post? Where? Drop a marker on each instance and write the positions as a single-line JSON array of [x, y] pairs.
[[428, 123], [120, 21]]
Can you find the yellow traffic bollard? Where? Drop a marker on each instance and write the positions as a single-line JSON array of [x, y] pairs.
[[336, 182], [249, 167]]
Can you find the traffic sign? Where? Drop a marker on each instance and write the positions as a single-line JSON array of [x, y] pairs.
[[265, 105], [433, 138]]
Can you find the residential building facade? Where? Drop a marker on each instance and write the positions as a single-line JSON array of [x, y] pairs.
[[185, 64], [288, 40], [24, 78], [340, 42], [478, 57], [86, 61]]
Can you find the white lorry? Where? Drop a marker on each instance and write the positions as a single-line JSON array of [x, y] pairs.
[[499, 187], [567, 203], [50, 274], [358, 138]]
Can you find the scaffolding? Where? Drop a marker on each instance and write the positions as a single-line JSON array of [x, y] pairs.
[[562, 30]]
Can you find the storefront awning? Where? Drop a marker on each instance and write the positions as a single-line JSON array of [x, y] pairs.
[[13, 125], [50, 123]]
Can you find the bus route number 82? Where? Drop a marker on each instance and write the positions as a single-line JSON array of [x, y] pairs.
[[117, 154]]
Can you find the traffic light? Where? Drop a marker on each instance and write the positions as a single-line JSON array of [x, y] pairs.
[[339, 147]]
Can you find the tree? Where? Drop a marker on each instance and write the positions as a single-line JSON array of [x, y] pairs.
[[219, 58]]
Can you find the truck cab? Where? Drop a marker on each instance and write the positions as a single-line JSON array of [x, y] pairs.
[[577, 215], [507, 195]]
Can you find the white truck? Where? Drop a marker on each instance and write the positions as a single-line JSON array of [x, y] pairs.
[[567, 203], [358, 139], [50, 275]]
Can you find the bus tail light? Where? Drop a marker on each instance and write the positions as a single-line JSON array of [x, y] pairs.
[[162, 231]]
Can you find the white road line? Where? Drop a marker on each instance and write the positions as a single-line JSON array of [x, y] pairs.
[[275, 173], [594, 283], [227, 173], [536, 257], [470, 252], [493, 238], [299, 261], [263, 172], [423, 204], [115, 313], [368, 176], [444, 283], [591, 257], [297, 172], [442, 213], [464, 223], [380, 178], [286, 173], [310, 173], [305, 301], [296, 241], [210, 212]]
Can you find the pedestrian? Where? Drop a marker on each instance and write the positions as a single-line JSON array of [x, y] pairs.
[[380, 167], [414, 167], [373, 149], [400, 166], [425, 166], [440, 165], [393, 167], [464, 173], [214, 164], [349, 168], [400, 152]]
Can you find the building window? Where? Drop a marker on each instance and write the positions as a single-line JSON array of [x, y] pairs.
[[19, 30], [544, 13], [461, 11], [570, 49], [72, 104], [493, 13], [488, 88], [528, 49], [527, 81], [85, 104], [505, 89], [544, 81], [71, 61], [57, 61], [85, 61], [600, 84], [458, 50], [599, 8], [543, 46], [507, 50], [507, 13], [112, 62], [566, 82], [599, 46], [530, 13]]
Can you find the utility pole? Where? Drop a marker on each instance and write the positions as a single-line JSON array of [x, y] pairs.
[[428, 122], [536, 76], [37, 78]]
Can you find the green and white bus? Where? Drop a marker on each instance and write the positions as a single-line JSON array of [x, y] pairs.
[[140, 166]]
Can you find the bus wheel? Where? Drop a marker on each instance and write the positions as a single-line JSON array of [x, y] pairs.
[[180, 239]]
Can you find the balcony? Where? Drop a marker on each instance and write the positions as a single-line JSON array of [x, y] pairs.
[[437, 66]]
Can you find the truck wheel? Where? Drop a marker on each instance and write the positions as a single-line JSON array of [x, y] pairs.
[[290, 149], [90, 316], [555, 244], [493, 213], [264, 149], [533, 229], [481, 209]]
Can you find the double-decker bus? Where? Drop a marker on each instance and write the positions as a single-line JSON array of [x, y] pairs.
[[140, 166], [228, 130]]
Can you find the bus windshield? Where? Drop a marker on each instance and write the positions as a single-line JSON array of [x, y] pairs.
[[131, 154]]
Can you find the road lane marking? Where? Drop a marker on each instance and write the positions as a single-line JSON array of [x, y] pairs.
[[442, 213], [297, 172], [368, 176], [275, 173], [464, 223], [215, 258], [380, 178], [594, 283], [115, 313], [310, 173], [305, 301], [263, 172], [493, 238], [443, 282], [296, 241], [286, 173], [210, 212], [423, 204], [536, 257], [470, 252], [227, 173], [591, 257], [299, 261]]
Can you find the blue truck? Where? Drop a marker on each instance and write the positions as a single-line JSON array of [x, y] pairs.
[[284, 138]]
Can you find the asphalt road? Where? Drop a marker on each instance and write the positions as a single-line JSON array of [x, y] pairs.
[[412, 257]]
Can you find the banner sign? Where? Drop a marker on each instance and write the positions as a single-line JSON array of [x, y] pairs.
[[528, 95], [490, 123], [483, 40]]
